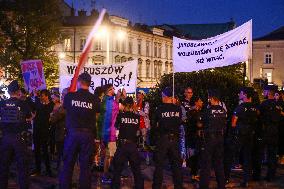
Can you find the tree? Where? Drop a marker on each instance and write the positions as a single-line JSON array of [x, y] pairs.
[[28, 30], [228, 80]]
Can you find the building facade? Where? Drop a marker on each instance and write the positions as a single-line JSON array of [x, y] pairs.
[[118, 41], [268, 58]]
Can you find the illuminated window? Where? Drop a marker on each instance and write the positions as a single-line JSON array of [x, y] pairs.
[[67, 44]]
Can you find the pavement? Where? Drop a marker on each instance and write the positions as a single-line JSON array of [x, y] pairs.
[[45, 182]]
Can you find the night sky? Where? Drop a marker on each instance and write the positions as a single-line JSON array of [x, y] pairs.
[[267, 15]]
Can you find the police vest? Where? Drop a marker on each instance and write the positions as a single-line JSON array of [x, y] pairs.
[[12, 113], [247, 119], [216, 119]]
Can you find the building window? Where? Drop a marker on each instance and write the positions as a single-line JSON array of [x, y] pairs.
[[166, 68], [67, 44], [139, 46], [98, 45], [117, 46], [267, 73], [171, 67], [155, 49], [148, 66], [130, 58], [268, 58], [117, 59], [156, 69], [82, 43], [130, 45], [159, 50], [123, 46], [123, 59], [139, 67], [160, 69], [167, 51], [147, 48]]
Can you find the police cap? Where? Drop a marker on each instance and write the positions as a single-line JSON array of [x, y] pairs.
[[85, 77], [167, 92], [13, 86]]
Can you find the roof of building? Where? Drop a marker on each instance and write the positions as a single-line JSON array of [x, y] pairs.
[[199, 31], [277, 34]]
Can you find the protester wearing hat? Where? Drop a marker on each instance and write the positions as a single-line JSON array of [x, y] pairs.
[[81, 108], [14, 114], [244, 122], [128, 125], [168, 119], [212, 146]]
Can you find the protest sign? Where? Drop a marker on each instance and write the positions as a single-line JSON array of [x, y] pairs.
[[225, 49], [33, 75], [122, 75]]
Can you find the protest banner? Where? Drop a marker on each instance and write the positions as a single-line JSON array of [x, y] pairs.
[[33, 75], [223, 50], [122, 75]]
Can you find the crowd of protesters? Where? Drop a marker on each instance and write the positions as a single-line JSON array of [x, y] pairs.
[[261, 144]]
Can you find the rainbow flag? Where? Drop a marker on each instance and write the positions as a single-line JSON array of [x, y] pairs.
[[106, 130]]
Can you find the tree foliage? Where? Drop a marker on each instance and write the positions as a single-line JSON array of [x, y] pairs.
[[28, 30], [228, 80]]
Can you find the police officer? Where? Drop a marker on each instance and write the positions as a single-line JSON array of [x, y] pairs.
[[212, 150], [14, 114], [169, 119], [128, 124], [244, 121], [80, 124], [270, 114]]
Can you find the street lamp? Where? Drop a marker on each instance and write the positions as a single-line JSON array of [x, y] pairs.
[[104, 32], [121, 34]]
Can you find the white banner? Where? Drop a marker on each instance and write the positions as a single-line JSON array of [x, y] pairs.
[[120, 75], [225, 49]]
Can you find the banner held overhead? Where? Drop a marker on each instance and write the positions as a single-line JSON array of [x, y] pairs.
[[120, 75], [225, 49]]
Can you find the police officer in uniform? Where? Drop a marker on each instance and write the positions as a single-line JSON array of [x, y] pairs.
[[169, 119], [212, 150], [270, 114], [128, 124], [14, 114], [81, 108], [244, 121]]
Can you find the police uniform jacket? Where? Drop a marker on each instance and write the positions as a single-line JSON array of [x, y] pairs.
[[81, 108], [14, 113]]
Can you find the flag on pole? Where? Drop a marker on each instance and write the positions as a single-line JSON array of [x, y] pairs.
[[86, 50]]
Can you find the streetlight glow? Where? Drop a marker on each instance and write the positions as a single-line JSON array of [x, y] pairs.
[[61, 55], [121, 34]]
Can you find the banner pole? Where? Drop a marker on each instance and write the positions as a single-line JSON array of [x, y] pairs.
[[173, 84]]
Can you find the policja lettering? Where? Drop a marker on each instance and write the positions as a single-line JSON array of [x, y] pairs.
[[129, 120], [82, 104], [170, 114]]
